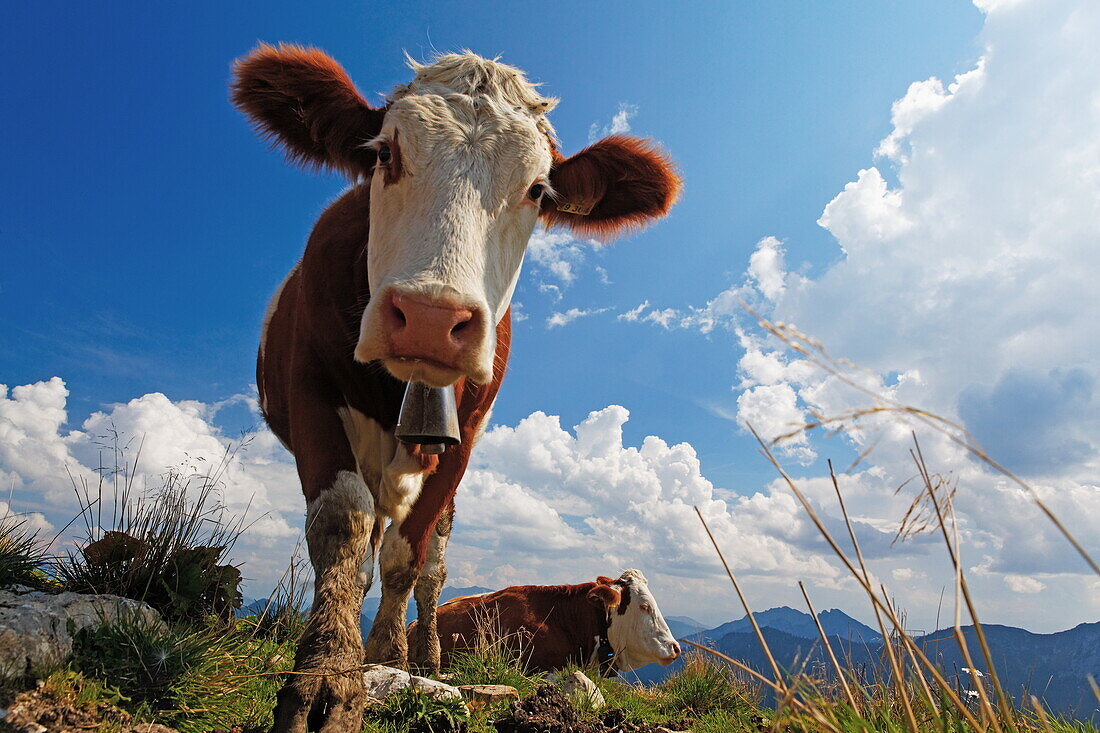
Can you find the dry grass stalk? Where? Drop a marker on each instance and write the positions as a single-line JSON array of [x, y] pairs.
[[895, 666], [744, 602], [829, 648], [952, 543], [869, 590]]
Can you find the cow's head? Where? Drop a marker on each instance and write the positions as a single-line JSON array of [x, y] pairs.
[[637, 630], [461, 164]]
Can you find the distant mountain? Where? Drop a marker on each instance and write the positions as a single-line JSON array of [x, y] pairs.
[[1053, 667], [798, 624], [682, 626]]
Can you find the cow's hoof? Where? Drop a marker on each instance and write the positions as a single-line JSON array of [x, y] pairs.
[[321, 700]]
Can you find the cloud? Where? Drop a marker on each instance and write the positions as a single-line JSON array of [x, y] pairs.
[[1024, 584], [556, 252], [765, 280], [567, 504], [772, 410], [40, 459], [766, 268], [620, 123], [557, 319], [561, 504], [1052, 415]]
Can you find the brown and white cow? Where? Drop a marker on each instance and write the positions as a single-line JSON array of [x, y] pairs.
[[407, 276], [613, 623]]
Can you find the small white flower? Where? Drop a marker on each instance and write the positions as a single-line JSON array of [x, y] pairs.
[[975, 672]]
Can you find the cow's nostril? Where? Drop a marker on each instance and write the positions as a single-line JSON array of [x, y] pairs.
[[399, 314], [460, 327]]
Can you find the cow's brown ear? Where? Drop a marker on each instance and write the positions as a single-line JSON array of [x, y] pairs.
[[303, 100], [604, 596], [603, 580], [615, 185]]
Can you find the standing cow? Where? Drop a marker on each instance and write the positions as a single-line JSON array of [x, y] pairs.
[[407, 276]]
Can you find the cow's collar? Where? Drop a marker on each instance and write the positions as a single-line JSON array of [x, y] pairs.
[[605, 653]]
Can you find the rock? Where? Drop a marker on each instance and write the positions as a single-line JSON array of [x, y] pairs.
[[488, 694], [382, 681], [582, 691], [435, 688], [36, 629]]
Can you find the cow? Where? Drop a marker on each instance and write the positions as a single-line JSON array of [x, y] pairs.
[[407, 276], [613, 624]]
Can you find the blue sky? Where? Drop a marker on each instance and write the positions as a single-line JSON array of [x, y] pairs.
[[145, 226]]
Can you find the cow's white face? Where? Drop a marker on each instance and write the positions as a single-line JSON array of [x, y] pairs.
[[455, 196], [638, 632], [460, 166]]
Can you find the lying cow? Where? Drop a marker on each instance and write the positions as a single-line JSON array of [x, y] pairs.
[[615, 623]]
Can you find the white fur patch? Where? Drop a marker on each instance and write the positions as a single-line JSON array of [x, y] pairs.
[[395, 477], [348, 494]]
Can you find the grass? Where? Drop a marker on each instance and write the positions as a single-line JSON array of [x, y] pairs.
[[22, 555], [709, 694], [495, 658], [166, 547]]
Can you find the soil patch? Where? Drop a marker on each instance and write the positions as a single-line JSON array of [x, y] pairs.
[[57, 712], [548, 710]]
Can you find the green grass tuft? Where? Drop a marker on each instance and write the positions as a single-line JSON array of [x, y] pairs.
[[193, 679], [22, 555], [167, 547], [417, 712]]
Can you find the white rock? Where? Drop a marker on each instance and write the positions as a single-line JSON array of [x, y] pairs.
[[382, 681], [582, 691], [37, 629]]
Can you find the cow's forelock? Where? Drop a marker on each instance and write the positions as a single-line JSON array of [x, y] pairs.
[[638, 632], [471, 140]]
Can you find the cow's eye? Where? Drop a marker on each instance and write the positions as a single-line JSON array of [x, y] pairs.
[[535, 192], [645, 607], [385, 155]]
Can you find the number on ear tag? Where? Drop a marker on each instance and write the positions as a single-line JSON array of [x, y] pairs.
[[578, 209]]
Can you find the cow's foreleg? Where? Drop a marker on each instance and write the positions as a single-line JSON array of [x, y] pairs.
[[425, 641], [326, 689], [387, 642]]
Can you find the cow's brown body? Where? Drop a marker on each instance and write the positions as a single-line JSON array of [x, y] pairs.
[[550, 626]]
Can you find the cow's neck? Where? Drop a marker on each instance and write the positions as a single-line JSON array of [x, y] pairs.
[[583, 623]]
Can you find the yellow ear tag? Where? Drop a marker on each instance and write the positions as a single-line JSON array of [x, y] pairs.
[[578, 209]]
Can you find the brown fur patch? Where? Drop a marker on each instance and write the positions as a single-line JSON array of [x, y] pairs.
[[625, 183], [624, 591], [301, 99]]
